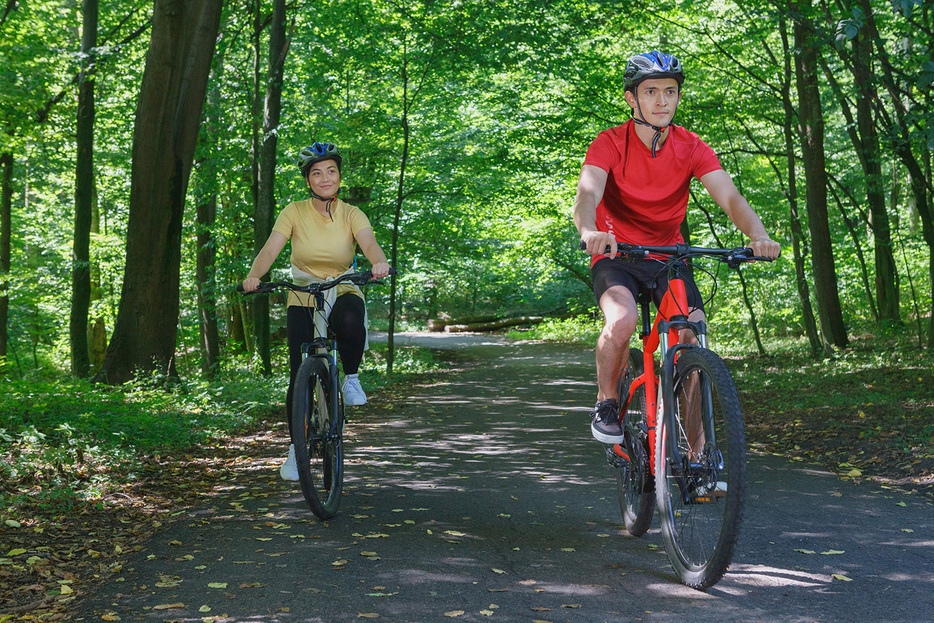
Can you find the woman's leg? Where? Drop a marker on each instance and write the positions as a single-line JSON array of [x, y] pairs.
[[346, 320]]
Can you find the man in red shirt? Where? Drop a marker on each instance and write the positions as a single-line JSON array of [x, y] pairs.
[[634, 188]]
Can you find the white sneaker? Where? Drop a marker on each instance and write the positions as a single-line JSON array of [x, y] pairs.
[[289, 471], [353, 393]]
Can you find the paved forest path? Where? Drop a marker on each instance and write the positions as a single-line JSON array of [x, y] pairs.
[[480, 496]]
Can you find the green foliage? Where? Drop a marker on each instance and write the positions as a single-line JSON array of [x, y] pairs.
[[501, 103], [578, 329]]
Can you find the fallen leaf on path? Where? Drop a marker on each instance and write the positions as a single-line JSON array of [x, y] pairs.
[[495, 570], [204, 609], [453, 613], [840, 576], [540, 609], [831, 552], [217, 584], [169, 606], [806, 551], [486, 613], [454, 533], [110, 617], [570, 606], [367, 615]]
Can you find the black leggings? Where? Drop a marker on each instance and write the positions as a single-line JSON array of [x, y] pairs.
[[345, 320]]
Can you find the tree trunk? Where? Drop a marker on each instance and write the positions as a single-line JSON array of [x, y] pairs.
[[900, 138], [6, 230], [886, 272], [205, 217], [400, 194], [168, 118], [84, 197], [265, 206], [811, 132]]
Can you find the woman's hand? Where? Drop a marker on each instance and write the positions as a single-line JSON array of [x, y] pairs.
[[250, 284], [380, 270]]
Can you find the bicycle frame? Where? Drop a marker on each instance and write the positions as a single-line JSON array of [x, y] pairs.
[[664, 332], [325, 347]]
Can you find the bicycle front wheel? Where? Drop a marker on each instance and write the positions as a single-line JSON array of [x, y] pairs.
[[635, 484], [317, 433], [701, 469]]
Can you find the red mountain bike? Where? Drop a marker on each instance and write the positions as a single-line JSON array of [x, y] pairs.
[[684, 448]]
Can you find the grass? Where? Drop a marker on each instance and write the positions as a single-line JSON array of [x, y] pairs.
[[65, 441]]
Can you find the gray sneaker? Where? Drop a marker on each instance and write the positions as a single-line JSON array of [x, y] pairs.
[[605, 423]]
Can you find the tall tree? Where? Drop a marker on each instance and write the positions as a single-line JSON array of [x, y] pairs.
[[265, 207], [168, 117], [84, 195], [6, 230], [901, 134], [811, 134]]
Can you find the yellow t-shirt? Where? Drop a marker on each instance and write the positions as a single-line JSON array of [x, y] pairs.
[[321, 246]]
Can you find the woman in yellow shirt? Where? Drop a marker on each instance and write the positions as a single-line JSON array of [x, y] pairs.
[[324, 232]]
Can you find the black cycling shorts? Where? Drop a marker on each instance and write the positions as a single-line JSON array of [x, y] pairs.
[[641, 275]]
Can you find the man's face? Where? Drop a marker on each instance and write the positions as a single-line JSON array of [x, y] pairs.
[[658, 100]]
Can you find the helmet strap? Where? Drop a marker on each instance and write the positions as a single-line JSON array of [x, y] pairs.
[[328, 201]]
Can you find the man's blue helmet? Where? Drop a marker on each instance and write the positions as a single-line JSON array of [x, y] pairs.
[[651, 65]]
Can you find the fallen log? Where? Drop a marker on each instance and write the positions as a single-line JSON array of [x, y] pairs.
[[493, 325], [437, 325]]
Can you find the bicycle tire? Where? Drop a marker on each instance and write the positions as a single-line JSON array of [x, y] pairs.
[[635, 484], [700, 522], [317, 434]]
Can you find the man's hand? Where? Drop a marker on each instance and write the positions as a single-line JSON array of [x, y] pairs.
[[597, 241], [765, 247]]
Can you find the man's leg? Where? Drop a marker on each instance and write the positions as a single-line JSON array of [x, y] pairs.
[[694, 426], [620, 316]]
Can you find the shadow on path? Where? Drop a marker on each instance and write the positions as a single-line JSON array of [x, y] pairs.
[[482, 497]]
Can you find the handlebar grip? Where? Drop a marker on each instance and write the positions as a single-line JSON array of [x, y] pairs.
[[239, 287]]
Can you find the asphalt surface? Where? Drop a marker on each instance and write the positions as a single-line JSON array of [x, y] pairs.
[[482, 497]]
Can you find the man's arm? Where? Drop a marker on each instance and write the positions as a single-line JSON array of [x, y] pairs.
[[723, 191], [590, 188]]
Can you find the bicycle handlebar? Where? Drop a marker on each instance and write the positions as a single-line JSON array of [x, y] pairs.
[[733, 257], [361, 278]]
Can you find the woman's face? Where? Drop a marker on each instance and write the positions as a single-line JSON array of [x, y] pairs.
[[324, 178]]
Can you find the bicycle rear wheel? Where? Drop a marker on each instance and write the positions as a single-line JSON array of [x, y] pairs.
[[635, 484], [701, 469], [317, 433]]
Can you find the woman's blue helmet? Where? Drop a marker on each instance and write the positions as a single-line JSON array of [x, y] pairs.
[[316, 153]]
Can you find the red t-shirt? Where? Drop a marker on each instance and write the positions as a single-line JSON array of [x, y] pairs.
[[646, 198]]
